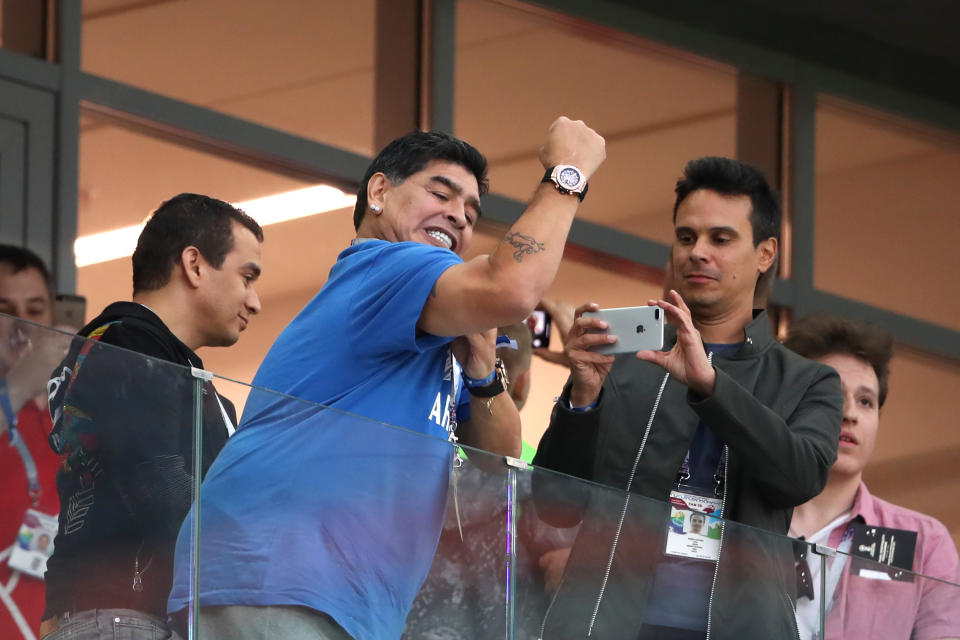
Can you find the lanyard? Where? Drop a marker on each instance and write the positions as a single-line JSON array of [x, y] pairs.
[[16, 441], [684, 474], [453, 373], [226, 419]]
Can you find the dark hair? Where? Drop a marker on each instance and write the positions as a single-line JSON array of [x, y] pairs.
[[186, 220], [820, 335], [21, 258], [407, 155], [734, 178]]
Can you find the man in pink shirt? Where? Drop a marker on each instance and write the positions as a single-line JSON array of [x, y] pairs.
[[862, 600]]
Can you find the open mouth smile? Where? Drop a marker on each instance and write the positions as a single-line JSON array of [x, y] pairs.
[[442, 238]]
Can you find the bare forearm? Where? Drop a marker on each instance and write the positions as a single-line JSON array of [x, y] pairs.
[[506, 285], [494, 427], [526, 260]]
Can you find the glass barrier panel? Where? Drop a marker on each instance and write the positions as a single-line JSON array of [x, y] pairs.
[[28, 491], [387, 532], [306, 501], [871, 591], [468, 590], [315, 520], [98, 475], [619, 565], [812, 570]]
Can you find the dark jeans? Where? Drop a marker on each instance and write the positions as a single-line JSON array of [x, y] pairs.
[[110, 624]]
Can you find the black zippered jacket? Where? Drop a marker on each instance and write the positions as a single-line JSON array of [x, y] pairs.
[[779, 415], [123, 426]]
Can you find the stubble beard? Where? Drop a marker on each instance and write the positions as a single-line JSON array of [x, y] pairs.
[[700, 303]]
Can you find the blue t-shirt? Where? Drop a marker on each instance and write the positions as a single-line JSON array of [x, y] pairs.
[[324, 509], [681, 586]]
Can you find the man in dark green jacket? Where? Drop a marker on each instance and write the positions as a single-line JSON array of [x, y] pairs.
[[723, 421]]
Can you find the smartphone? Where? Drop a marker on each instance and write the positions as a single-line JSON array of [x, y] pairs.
[[539, 322], [636, 328], [69, 310]]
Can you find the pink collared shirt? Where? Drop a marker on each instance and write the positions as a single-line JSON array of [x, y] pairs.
[[893, 610]]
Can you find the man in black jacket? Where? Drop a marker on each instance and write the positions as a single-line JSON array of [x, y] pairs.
[[124, 422], [724, 421]]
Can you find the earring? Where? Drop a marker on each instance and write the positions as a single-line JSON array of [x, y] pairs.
[[377, 209]]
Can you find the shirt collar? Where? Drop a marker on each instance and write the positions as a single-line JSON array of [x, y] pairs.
[[758, 335], [864, 505]]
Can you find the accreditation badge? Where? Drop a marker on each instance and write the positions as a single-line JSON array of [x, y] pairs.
[[34, 543], [694, 527], [881, 553]]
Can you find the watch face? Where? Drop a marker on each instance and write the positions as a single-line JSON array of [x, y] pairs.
[[569, 178]]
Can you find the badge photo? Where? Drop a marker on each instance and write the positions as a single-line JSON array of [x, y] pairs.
[[694, 528], [34, 544]]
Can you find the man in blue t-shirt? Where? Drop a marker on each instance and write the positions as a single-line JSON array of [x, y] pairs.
[[320, 517]]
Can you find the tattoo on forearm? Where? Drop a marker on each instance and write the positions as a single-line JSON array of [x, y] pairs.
[[433, 291], [524, 245]]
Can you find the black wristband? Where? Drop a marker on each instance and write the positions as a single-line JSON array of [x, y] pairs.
[[488, 391], [496, 386]]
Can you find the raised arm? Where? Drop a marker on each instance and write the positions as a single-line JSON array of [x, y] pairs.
[[504, 287]]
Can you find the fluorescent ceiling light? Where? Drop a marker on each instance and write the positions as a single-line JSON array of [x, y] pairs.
[[296, 204], [300, 203]]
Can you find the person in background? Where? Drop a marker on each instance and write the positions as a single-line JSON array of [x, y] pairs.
[[562, 316], [27, 465], [724, 418], [124, 422], [517, 364], [517, 361], [862, 602]]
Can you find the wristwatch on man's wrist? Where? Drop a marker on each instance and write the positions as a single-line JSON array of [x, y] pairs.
[[568, 180]]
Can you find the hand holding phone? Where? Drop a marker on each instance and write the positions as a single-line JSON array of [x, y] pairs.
[[687, 362], [636, 328]]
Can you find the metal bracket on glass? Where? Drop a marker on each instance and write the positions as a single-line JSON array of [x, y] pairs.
[[203, 374], [513, 464], [200, 378], [824, 552], [516, 463]]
